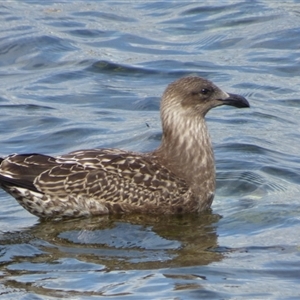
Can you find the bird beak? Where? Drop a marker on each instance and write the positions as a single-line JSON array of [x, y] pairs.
[[235, 100]]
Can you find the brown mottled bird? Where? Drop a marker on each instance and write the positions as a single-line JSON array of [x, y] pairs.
[[176, 178]]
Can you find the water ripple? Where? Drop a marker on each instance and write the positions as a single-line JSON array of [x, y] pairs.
[[90, 74]]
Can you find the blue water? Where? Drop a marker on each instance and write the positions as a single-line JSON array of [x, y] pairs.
[[90, 74]]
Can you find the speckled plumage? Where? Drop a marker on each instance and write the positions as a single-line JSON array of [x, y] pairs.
[[178, 177]]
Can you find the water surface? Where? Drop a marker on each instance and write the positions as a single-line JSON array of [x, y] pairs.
[[90, 74]]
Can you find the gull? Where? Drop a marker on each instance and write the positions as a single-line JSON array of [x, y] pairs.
[[176, 178]]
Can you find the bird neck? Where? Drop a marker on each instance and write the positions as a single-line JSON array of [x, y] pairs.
[[186, 150]]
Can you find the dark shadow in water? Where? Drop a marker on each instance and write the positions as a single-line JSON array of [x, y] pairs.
[[124, 242]]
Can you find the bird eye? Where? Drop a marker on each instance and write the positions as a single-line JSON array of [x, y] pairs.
[[204, 91]]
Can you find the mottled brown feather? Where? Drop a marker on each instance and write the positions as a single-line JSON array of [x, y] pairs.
[[177, 177]]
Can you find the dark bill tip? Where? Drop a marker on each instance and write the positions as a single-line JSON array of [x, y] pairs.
[[236, 100]]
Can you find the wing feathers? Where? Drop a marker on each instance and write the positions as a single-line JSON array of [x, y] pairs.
[[105, 174]]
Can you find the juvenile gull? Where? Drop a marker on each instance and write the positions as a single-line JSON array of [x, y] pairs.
[[176, 178]]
